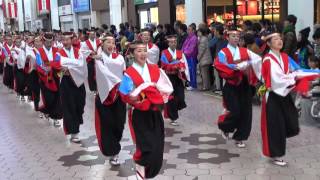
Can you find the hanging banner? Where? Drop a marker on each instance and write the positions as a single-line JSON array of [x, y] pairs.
[[44, 6], [12, 10]]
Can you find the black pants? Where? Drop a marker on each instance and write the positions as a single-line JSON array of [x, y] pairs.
[[279, 121], [178, 101], [21, 83], [1, 67], [148, 127], [109, 122], [51, 101], [73, 100], [34, 87], [91, 76], [8, 78], [238, 101]]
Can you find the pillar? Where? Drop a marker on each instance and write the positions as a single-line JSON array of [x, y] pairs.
[[194, 11]]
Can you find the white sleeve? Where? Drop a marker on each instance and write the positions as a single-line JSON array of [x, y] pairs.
[[106, 80], [164, 86], [21, 59], [281, 83], [256, 63]]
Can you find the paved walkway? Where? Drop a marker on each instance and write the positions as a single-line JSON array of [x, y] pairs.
[[31, 148]]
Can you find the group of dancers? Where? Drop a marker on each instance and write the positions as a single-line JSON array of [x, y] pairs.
[[52, 74]]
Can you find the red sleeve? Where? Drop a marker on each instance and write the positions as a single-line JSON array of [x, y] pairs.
[[41, 71], [141, 104], [224, 71], [266, 74]]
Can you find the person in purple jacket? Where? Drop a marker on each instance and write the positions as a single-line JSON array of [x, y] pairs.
[[190, 49]]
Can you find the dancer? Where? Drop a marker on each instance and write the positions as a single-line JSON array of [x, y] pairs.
[[71, 62], [153, 50], [146, 88], [110, 110], [234, 64], [279, 116], [174, 63], [92, 44], [50, 103]]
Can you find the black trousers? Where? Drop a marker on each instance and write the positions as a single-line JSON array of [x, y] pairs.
[[1, 67], [73, 100], [279, 121], [91, 76], [22, 82], [51, 101], [8, 78], [238, 101], [34, 87], [178, 101], [148, 127], [109, 123]]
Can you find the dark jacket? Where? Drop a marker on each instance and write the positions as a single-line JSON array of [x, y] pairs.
[[290, 42], [180, 40]]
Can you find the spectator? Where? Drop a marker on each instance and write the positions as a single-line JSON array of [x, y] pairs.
[[123, 41], [250, 43], [219, 43], [190, 49], [182, 35], [131, 34], [204, 58], [289, 36], [246, 25], [160, 39], [168, 30], [316, 44], [306, 102], [304, 48]]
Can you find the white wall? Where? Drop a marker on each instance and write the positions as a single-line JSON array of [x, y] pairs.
[[194, 11], [20, 16], [304, 11], [54, 9], [115, 12], [1, 20]]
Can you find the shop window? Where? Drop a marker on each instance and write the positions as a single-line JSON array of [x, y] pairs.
[[222, 10], [181, 13]]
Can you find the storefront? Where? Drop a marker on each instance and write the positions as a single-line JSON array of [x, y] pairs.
[[148, 12], [254, 10], [44, 14], [83, 15], [65, 15]]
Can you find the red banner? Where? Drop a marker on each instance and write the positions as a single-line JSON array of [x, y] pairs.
[[44, 6], [12, 10]]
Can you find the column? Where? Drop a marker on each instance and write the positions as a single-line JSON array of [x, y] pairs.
[[164, 12], [194, 11], [1, 20], [20, 17], [54, 10], [115, 12]]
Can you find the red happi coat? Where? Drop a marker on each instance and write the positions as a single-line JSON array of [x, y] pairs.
[[89, 45], [6, 46], [48, 78], [174, 68], [150, 95], [232, 76], [114, 93]]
